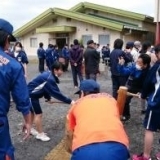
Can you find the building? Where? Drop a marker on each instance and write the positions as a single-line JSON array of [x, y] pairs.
[[85, 21]]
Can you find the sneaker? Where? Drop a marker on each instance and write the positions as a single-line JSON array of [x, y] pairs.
[[158, 156], [42, 137], [34, 132], [140, 157]]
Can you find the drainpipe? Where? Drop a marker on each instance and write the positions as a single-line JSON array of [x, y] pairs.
[[157, 41]]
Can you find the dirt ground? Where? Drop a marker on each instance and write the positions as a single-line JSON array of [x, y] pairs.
[[53, 121]]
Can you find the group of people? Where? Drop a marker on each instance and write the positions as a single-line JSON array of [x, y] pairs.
[[94, 126]]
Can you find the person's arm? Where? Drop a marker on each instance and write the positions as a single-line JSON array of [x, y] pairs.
[[52, 89], [70, 57], [80, 56], [21, 98], [122, 69], [70, 124]]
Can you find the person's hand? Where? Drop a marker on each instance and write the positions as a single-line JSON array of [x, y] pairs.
[[25, 76], [75, 64], [121, 61], [26, 130], [73, 102], [139, 95]]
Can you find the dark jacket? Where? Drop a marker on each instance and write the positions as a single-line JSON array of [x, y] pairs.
[[115, 54], [91, 58], [76, 55], [136, 77], [45, 85], [151, 87], [41, 53], [22, 57]]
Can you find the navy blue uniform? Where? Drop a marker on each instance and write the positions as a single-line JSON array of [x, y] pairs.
[[134, 83], [41, 56], [151, 92], [117, 78], [45, 85], [11, 80]]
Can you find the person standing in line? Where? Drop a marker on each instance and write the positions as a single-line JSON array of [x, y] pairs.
[[117, 78], [65, 55], [76, 58], [41, 57], [136, 49], [20, 56], [91, 59], [49, 56], [12, 81]]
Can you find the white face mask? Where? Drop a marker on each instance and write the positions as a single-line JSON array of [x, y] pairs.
[[138, 67], [17, 49]]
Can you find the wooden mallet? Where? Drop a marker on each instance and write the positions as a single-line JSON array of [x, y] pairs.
[[121, 99]]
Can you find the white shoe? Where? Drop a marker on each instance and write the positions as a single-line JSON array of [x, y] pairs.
[[34, 132], [42, 137]]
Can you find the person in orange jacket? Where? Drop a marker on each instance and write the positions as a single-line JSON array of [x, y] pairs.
[[94, 130]]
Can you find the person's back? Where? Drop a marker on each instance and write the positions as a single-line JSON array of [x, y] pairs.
[[91, 58], [96, 121], [115, 54], [94, 126], [76, 55]]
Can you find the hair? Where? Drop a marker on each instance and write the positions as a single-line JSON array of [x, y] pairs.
[[118, 44], [146, 59], [40, 44], [157, 49], [145, 46], [57, 65], [3, 38], [75, 42], [18, 43]]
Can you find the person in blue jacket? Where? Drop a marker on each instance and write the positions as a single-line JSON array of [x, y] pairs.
[[136, 73], [45, 85], [49, 56], [151, 92], [41, 57], [65, 55], [20, 55], [11, 80]]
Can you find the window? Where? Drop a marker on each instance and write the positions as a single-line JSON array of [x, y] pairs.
[[85, 38], [104, 39], [33, 42]]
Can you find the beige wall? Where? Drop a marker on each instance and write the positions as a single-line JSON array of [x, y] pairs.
[[82, 29]]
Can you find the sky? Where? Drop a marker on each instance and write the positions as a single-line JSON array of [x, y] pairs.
[[19, 12]]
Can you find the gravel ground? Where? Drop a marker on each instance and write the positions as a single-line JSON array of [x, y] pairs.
[[53, 121]]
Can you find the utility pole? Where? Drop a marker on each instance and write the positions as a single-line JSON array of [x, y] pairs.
[[157, 20]]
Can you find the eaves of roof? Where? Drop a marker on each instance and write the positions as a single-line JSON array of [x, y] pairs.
[[86, 5]]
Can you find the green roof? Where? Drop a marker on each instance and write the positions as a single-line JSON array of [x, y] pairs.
[[74, 13], [84, 5], [56, 29]]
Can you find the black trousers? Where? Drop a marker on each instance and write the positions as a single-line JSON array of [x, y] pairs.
[[76, 71], [117, 81], [41, 65]]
